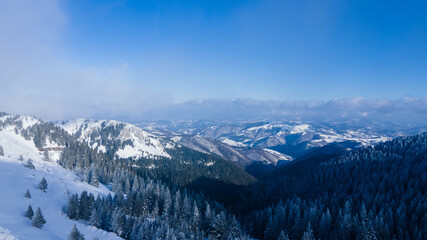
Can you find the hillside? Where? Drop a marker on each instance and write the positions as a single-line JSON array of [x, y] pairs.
[[374, 192], [122, 140], [15, 179]]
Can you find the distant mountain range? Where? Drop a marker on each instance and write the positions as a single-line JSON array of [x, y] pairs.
[[241, 142], [288, 139]]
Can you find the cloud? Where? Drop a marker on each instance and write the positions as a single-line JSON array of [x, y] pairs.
[[405, 110], [37, 78]]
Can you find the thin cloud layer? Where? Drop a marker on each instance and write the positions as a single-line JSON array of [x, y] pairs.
[[405, 110], [38, 78]]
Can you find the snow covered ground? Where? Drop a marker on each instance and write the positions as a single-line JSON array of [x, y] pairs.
[[144, 144], [15, 179]]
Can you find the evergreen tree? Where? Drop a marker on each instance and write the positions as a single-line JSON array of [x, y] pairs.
[[46, 156], [73, 207], [75, 234], [29, 213], [28, 194], [119, 223], [283, 236], [94, 219], [30, 164], [94, 180], [308, 234], [43, 185], [1, 151], [38, 219]]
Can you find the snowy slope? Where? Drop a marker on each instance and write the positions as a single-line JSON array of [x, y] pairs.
[[104, 134], [15, 179], [15, 126]]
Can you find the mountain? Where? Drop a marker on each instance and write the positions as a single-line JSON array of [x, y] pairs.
[[225, 149], [291, 138], [123, 140], [111, 197], [104, 141], [17, 141], [151, 185], [154, 155]]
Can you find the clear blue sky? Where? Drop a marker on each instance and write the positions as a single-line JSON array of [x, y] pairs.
[[257, 49], [129, 59]]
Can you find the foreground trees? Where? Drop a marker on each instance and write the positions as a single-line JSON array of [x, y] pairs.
[[38, 219]]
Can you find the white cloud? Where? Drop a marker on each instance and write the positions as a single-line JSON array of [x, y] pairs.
[[406, 110], [37, 78]]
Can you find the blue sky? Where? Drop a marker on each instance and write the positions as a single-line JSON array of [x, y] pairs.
[[262, 49], [60, 59]]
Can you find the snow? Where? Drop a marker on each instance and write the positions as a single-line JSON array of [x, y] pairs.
[[232, 143], [15, 145], [5, 234], [15, 179], [28, 121], [176, 138], [279, 155], [299, 128], [144, 144], [151, 166], [102, 149], [349, 135], [209, 163]]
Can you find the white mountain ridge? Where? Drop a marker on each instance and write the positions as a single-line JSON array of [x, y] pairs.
[[224, 148], [272, 134], [150, 144], [141, 143], [15, 179]]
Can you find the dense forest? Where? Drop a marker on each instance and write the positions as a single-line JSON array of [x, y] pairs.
[[372, 193]]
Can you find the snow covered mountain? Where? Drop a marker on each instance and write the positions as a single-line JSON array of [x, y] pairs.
[[288, 137], [15, 127], [124, 140], [226, 149], [19, 143]]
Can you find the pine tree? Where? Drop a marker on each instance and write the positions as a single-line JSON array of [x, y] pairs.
[[30, 164], [1, 151], [75, 234], [119, 223], [28, 194], [73, 207], [38, 219], [43, 185], [283, 236], [308, 234], [94, 219], [29, 213], [94, 180], [46, 156]]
